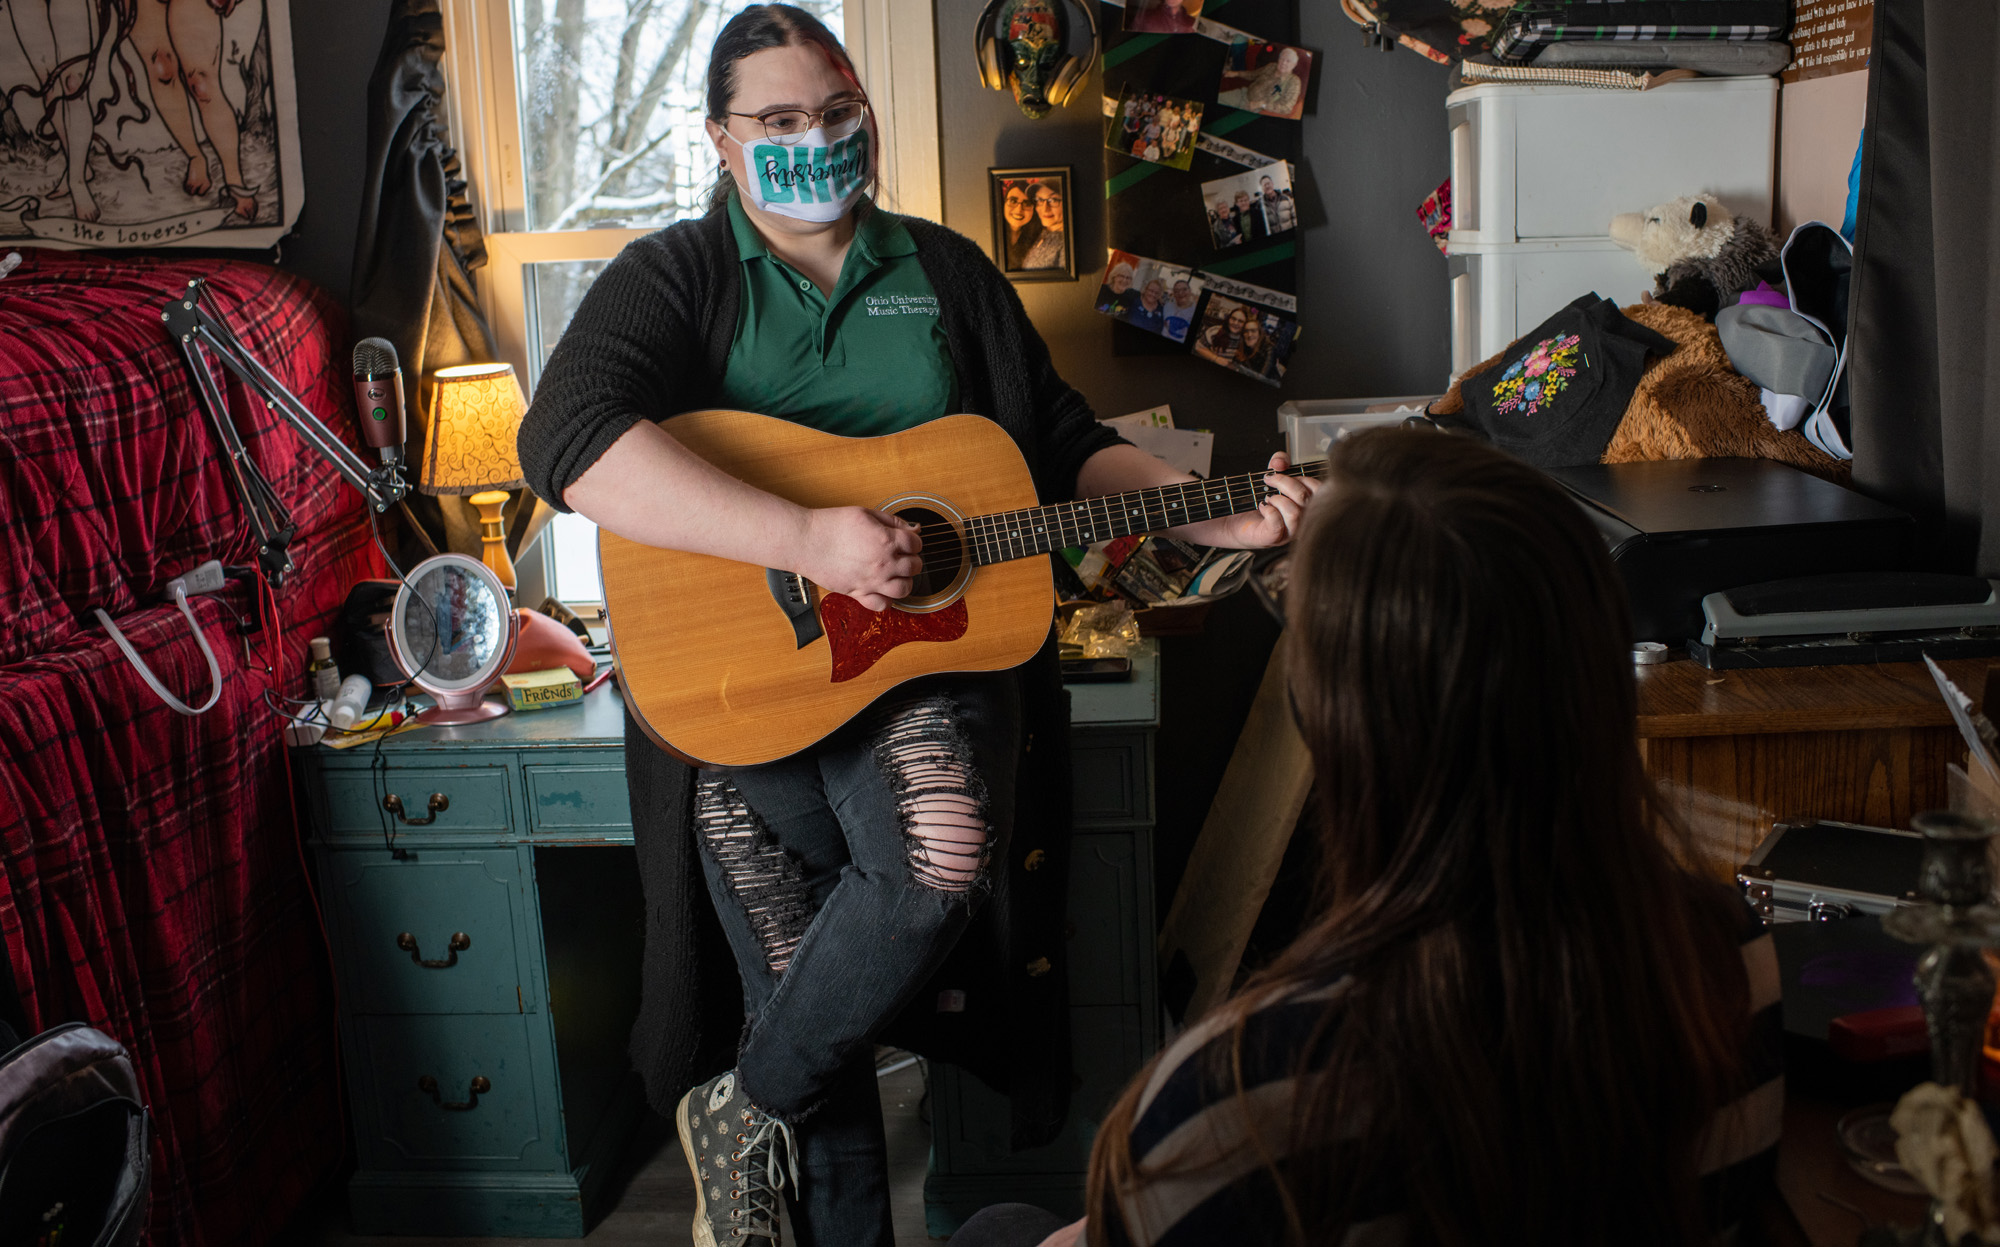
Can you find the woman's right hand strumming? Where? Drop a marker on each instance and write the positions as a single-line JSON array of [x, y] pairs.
[[867, 555]]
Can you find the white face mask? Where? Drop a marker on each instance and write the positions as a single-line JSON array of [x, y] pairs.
[[810, 180]]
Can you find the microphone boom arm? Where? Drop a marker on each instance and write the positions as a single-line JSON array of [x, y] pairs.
[[202, 333]]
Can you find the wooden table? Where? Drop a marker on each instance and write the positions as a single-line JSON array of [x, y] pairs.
[[1733, 751]]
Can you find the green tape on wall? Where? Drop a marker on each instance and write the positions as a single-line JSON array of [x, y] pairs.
[[1130, 48], [1256, 259]]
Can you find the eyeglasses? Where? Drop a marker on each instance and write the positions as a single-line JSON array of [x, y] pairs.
[[1046, 198], [786, 126]]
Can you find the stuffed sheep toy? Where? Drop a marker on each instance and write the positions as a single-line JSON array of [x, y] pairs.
[[1701, 257]]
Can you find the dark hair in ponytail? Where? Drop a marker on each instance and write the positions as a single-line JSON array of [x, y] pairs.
[[755, 29]]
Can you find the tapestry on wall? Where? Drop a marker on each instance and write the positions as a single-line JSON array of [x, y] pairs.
[[147, 123]]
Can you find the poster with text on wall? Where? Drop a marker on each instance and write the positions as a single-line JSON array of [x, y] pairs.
[[97, 151]]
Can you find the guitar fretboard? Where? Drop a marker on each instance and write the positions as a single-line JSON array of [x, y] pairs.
[[1005, 535]]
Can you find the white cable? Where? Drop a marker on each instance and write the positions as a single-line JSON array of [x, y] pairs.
[[146, 673]]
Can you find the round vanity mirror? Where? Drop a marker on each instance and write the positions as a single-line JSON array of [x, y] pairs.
[[451, 630]]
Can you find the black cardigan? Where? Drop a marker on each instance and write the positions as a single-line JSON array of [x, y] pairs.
[[616, 365]]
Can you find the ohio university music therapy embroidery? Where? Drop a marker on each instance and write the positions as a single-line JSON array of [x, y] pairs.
[[901, 304]]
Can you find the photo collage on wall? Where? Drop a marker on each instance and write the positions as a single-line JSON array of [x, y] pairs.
[[1203, 197]]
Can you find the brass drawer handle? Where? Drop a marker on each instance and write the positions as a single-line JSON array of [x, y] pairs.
[[477, 1087], [458, 943], [437, 803]]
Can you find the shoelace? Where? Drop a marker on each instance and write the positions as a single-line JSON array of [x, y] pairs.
[[770, 1137]]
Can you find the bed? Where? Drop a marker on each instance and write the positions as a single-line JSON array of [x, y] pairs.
[[151, 882]]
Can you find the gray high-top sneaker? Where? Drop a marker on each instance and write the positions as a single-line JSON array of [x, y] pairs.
[[741, 1158]]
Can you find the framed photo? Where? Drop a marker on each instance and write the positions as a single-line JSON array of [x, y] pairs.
[[1032, 240]]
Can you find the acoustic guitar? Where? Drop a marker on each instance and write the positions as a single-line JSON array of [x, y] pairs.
[[725, 663]]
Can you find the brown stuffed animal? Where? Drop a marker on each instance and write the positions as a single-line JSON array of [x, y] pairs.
[[1689, 405]]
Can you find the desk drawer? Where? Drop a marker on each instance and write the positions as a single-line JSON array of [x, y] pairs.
[[476, 800], [454, 1092], [1103, 920], [578, 798], [397, 920], [1111, 779]]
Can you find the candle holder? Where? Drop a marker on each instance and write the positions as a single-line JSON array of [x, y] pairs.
[[1959, 921], [1954, 982]]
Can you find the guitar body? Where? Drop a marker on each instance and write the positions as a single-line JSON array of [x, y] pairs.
[[724, 663]]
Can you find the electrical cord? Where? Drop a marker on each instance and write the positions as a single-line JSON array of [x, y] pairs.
[[204, 579], [378, 766]]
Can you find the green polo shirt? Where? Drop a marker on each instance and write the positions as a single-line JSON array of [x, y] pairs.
[[870, 358]]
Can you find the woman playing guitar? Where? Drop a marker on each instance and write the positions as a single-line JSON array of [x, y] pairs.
[[845, 874]]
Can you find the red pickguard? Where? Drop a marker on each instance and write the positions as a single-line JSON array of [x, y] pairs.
[[859, 637]]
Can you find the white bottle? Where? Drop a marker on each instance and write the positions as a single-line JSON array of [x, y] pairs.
[[352, 699]]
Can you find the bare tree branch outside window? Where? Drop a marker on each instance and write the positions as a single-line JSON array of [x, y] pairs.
[[612, 108], [611, 137]]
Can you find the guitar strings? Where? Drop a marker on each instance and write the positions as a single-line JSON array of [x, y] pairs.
[[1227, 484], [980, 528]]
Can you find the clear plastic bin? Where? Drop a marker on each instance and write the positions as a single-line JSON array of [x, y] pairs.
[[1311, 425]]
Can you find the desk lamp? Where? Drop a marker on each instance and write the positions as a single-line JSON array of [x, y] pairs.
[[475, 411]]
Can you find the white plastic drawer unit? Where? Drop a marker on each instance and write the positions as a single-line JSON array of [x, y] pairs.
[[1500, 293], [1531, 163]]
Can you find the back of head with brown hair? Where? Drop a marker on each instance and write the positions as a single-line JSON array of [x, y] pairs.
[[1545, 1007]]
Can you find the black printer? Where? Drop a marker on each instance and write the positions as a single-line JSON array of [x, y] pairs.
[[1680, 529]]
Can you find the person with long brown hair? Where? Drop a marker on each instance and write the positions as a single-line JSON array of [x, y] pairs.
[[1515, 1014]]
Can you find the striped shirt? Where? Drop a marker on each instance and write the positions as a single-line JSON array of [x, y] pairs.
[[1217, 1186]]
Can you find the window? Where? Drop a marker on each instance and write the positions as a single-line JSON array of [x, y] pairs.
[[580, 126]]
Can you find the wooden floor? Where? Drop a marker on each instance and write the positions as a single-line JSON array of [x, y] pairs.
[[654, 1201]]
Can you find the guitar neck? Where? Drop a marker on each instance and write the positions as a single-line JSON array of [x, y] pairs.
[[1006, 535]]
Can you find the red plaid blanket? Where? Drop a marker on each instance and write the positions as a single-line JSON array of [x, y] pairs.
[[150, 879]]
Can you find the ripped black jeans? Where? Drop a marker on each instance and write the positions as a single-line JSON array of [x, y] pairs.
[[843, 876]]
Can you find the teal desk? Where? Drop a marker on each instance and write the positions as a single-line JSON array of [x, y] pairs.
[[489, 974]]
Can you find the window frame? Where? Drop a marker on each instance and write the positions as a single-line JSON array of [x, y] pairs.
[[893, 45]]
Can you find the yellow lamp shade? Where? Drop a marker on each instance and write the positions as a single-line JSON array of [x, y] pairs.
[[475, 413]]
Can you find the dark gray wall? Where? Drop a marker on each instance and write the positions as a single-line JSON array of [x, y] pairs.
[[1373, 304], [333, 51]]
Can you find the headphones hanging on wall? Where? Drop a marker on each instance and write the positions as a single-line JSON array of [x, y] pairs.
[[996, 59]]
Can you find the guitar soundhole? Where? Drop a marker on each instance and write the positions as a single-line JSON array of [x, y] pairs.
[[944, 559]]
